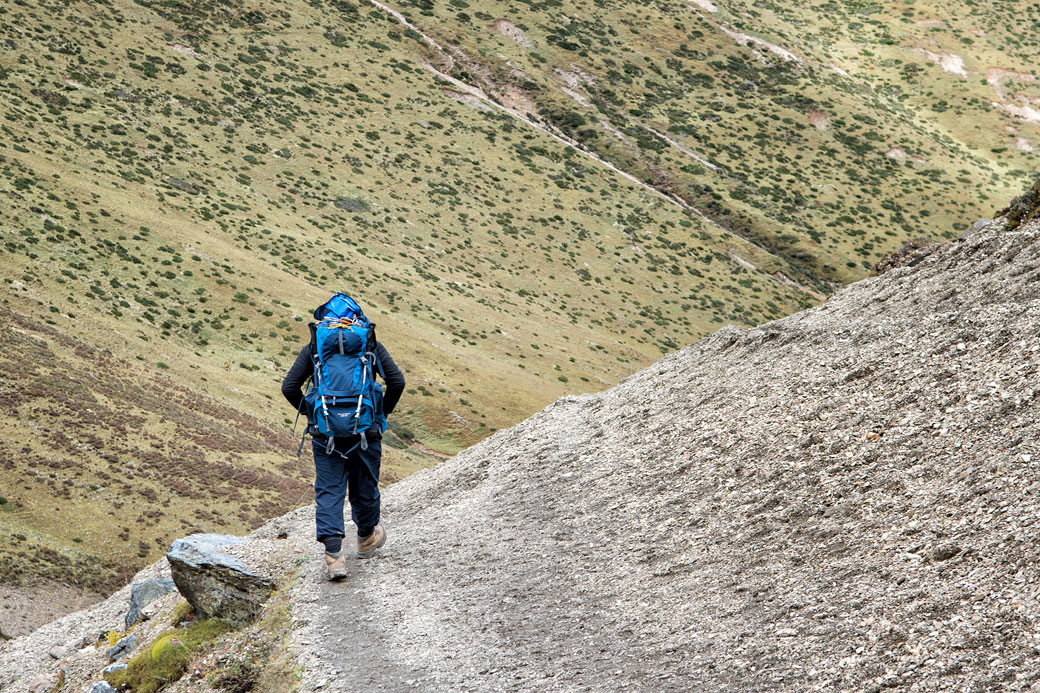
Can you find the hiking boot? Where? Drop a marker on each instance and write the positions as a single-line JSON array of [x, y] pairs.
[[366, 548], [335, 568]]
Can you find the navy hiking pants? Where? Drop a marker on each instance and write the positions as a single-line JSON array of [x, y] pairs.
[[335, 473]]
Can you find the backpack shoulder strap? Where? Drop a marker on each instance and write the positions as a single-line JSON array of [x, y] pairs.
[[375, 349], [313, 328]]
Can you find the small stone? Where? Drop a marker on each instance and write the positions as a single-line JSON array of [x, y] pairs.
[[119, 666], [945, 552], [58, 651], [786, 632]]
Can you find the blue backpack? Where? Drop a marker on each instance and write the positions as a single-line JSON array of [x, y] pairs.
[[345, 399]]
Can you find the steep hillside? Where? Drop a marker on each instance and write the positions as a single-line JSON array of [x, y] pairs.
[[183, 184], [844, 499], [827, 132]]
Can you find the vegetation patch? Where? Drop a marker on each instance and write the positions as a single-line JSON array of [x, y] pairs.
[[257, 658], [168, 657], [1024, 208]]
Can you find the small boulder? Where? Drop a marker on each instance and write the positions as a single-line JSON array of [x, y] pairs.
[[121, 648], [113, 668], [58, 652], [144, 593], [102, 687], [945, 552], [218, 585], [149, 612]]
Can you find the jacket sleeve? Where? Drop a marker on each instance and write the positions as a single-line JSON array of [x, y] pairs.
[[393, 377], [301, 371]]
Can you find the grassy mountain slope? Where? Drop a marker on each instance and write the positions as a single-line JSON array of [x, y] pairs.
[[106, 459], [827, 132], [183, 183]]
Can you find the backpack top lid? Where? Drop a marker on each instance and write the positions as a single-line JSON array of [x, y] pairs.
[[339, 306]]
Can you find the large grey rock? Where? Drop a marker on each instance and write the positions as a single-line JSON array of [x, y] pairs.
[[218, 585], [144, 593]]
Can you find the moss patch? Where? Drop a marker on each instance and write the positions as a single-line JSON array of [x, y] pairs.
[[169, 656]]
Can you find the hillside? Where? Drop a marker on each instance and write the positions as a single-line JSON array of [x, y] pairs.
[[532, 199], [840, 500], [826, 132]]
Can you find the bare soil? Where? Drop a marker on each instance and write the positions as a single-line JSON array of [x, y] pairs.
[[24, 609]]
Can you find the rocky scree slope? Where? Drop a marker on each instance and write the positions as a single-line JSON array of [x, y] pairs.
[[840, 500]]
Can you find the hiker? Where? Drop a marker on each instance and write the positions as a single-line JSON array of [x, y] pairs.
[[345, 459]]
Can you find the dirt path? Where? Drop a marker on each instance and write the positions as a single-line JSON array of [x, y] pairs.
[[491, 603], [353, 636]]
